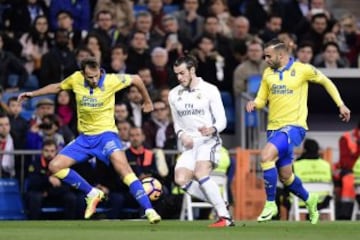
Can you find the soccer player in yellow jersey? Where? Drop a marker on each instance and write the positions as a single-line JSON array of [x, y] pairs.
[[95, 99], [284, 87]]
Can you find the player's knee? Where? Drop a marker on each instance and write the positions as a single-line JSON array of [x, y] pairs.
[[267, 157], [54, 166]]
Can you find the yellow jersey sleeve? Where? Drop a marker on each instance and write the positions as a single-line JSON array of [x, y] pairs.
[[316, 76], [119, 81], [68, 83]]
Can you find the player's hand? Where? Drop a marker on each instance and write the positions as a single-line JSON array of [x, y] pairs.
[[54, 181], [187, 141], [344, 113], [207, 131], [147, 107], [24, 96], [250, 106]]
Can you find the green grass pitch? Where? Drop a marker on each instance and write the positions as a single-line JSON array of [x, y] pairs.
[[175, 230]]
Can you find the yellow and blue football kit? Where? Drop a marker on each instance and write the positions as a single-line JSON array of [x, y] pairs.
[[98, 133], [286, 93]]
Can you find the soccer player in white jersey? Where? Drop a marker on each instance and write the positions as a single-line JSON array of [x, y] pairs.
[[284, 87], [199, 117]]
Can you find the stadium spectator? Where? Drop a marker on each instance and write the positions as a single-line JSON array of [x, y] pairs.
[[155, 8], [138, 54], [304, 52], [331, 57], [272, 28], [7, 161], [119, 54], [59, 62], [289, 40], [122, 12], [348, 38], [82, 53], [65, 109], [190, 20], [21, 15], [319, 25], [349, 150], [44, 189], [35, 44], [145, 75], [160, 70], [210, 62], [43, 107], [105, 28], [12, 66], [48, 129], [253, 66], [220, 9], [123, 127], [135, 101], [18, 129], [144, 23], [121, 112], [159, 130], [176, 39], [19, 125], [65, 21], [80, 10], [98, 49]]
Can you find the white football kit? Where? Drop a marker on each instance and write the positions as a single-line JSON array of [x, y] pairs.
[[192, 109]]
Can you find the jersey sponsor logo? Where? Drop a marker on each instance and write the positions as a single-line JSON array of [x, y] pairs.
[[190, 111], [281, 89], [90, 102]]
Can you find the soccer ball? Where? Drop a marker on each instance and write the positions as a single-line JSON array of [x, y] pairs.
[[152, 187]]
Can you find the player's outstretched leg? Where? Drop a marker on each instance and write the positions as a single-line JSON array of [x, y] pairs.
[[270, 179], [212, 192], [296, 187], [311, 205], [138, 192], [93, 195], [92, 200]]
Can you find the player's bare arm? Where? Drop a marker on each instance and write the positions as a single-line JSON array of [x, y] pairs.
[[250, 106], [49, 89], [147, 105], [345, 113]]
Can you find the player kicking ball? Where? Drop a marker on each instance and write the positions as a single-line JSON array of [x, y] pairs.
[[95, 100]]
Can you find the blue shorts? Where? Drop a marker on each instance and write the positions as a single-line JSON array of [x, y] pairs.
[[285, 139], [100, 146]]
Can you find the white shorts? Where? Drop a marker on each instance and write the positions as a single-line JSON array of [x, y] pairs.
[[203, 150]]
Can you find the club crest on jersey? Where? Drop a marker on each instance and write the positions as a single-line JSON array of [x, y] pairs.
[[198, 96], [293, 73]]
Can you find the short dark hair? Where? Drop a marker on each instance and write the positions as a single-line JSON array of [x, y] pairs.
[[188, 59], [12, 99], [49, 142], [276, 44], [90, 62]]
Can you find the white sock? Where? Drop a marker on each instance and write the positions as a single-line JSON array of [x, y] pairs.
[[93, 193], [212, 191], [193, 188]]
